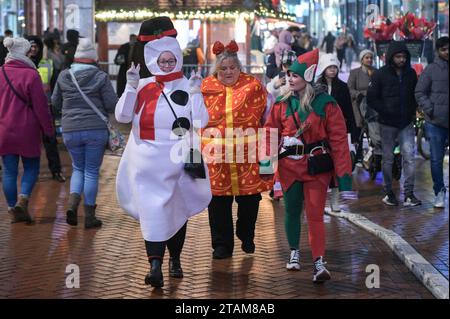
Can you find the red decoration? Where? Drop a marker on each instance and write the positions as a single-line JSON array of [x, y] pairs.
[[382, 32], [409, 27], [414, 28], [232, 47], [219, 48]]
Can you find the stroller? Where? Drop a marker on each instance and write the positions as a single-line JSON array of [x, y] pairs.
[[373, 154]]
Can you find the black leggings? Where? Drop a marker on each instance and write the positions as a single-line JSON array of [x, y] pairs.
[[51, 150], [156, 249]]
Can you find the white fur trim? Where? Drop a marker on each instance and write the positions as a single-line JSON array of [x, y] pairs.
[[291, 141]]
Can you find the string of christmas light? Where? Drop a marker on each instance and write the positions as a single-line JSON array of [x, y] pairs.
[[201, 14]]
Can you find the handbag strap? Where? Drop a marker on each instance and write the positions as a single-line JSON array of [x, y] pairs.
[[171, 108], [311, 146], [293, 115], [295, 121], [88, 101], [27, 103]]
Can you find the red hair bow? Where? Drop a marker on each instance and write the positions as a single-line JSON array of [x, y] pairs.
[[231, 47]]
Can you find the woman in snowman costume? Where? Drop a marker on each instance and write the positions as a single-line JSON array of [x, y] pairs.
[[152, 185]]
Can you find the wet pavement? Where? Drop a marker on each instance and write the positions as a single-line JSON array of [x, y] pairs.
[[112, 260], [424, 227]]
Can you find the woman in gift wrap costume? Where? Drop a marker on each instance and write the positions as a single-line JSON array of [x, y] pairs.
[[236, 102]]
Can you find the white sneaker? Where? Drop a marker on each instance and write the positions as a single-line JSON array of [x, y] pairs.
[[294, 260], [439, 201], [334, 200], [321, 274]]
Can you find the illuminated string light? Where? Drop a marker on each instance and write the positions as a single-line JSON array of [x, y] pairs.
[[200, 14]]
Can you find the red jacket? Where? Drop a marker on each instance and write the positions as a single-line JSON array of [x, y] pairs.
[[326, 122], [21, 126]]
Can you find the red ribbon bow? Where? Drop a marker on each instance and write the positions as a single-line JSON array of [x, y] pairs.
[[219, 48]]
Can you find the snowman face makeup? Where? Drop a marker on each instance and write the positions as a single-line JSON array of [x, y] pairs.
[[167, 61]]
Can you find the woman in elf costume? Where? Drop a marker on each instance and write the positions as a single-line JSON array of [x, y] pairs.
[[236, 104], [152, 185], [309, 122]]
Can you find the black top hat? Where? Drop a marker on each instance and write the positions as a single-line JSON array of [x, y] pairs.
[[156, 28]]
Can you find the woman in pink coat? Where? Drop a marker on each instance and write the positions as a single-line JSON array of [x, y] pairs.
[[24, 114]]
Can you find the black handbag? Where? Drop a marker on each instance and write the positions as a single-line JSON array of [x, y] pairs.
[[194, 164], [193, 167], [317, 163]]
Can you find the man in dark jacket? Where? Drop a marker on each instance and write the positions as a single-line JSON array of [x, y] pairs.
[[328, 42], [432, 97], [69, 48], [124, 58], [391, 94], [45, 69]]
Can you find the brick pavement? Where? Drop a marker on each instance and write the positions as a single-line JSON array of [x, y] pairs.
[[112, 260], [423, 227]]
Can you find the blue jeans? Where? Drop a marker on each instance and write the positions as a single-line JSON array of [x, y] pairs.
[[10, 173], [405, 137], [437, 137], [86, 149]]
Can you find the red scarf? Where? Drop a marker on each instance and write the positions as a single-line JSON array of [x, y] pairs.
[[148, 99]]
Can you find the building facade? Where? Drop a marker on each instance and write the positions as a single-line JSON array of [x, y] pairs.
[[12, 16], [30, 16]]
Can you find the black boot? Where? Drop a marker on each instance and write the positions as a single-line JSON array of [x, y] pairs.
[[90, 221], [155, 276], [175, 270], [20, 211], [58, 177], [248, 246], [72, 211]]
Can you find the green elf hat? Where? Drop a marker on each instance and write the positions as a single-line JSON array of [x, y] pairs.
[[306, 65]]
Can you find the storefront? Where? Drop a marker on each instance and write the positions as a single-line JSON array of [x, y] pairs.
[[12, 16], [30, 16], [442, 17], [325, 16], [116, 20]]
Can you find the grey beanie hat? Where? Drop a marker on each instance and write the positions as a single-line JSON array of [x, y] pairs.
[[364, 53]]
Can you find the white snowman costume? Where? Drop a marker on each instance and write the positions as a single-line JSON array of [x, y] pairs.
[[151, 184]]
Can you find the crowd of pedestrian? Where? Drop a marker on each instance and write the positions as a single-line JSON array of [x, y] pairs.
[[318, 119]]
